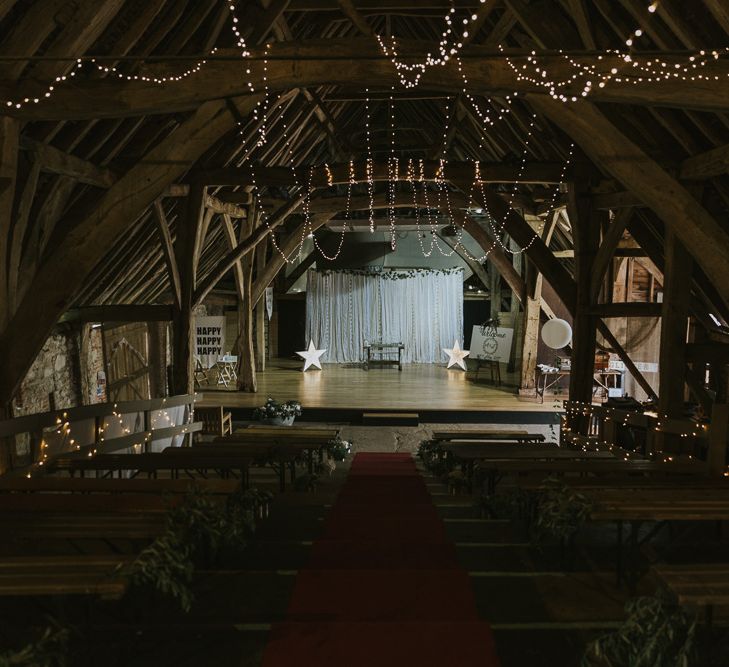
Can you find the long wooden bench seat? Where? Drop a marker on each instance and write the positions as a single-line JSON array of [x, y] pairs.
[[583, 468], [81, 525], [509, 435], [90, 504], [697, 584], [84, 485], [153, 464], [628, 483], [62, 575], [288, 431]]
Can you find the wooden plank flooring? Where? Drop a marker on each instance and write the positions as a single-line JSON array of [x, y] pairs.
[[416, 387]]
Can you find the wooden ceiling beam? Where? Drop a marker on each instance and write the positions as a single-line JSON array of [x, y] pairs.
[[619, 157], [491, 172], [56, 161], [92, 235], [359, 62], [705, 165], [720, 11]]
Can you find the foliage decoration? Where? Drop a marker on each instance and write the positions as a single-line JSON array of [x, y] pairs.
[[392, 274], [50, 650], [656, 633], [272, 409], [560, 510], [198, 531], [338, 449], [429, 452], [512, 504]]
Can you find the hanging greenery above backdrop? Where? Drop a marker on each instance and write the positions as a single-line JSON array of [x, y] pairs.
[[391, 274]]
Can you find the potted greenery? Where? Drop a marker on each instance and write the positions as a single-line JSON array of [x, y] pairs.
[[338, 449], [277, 414]]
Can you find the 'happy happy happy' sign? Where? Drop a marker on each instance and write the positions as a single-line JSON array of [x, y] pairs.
[[209, 339]]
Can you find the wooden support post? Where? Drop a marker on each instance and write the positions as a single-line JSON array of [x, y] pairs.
[[260, 312], [586, 225], [517, 259], [246, 356], [719, 430], [6, 444], [243, 270], [674, 330], [157, 343], [182, 321], [532, 320], [9, 131]]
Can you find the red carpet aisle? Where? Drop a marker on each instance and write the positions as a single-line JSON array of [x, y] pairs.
[[383, 587]]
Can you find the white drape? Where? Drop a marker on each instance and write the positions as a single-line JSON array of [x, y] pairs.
[[423, 309]]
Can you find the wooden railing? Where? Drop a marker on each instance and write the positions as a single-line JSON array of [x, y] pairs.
[[34, 439], [605, 422]]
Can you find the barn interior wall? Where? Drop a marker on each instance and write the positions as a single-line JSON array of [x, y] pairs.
[[53, 380]]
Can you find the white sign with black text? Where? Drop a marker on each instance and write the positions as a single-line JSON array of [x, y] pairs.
[[491, 343], [209, 339]]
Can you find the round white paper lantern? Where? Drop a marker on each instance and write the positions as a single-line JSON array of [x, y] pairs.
[[557, 334]]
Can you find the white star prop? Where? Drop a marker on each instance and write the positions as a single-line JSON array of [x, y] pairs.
[[456, 355], [311, 356]]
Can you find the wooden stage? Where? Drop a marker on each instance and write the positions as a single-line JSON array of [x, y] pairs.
[[418, 387]]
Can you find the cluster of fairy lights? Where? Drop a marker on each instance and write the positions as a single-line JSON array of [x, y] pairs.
[[415, 175], [453, 37], [66, 442], [575, 410]]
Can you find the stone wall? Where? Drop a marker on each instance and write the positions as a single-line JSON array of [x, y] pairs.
[[53, 381]]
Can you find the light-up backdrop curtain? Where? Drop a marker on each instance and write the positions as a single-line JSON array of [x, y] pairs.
[[421, 308]]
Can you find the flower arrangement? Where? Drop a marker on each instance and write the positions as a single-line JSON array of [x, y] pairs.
[[338, 449], [273, 411]]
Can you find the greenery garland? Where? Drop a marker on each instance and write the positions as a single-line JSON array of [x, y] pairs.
[[50, 650], [390, 274], [656, 633], [198, 531], [561, 510]]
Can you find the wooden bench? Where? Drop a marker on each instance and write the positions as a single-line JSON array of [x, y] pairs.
[[277, 454], [104, 465], [83, 485], [500, 434], [75, 525], [289, 431], [62, 575], [697, 585], [540, 469], [659, 505]]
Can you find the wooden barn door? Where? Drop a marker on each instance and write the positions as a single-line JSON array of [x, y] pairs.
[[126, 351]]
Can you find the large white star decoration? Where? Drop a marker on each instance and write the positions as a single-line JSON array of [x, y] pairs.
[[456, 355], [311, 356]]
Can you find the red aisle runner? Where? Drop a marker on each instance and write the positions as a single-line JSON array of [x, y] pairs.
[[383, 587]]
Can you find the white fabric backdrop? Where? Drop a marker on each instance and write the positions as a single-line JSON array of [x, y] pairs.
[[423, 310]]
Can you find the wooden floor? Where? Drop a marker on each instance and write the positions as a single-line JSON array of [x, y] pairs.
[[416, 387]]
